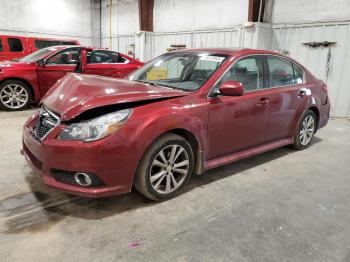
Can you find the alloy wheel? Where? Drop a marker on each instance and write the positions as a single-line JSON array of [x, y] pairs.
[[307, 130], [169, 169], [14, 96]]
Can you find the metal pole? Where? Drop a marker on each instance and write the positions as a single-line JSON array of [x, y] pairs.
[[260, 11], [110, 24]]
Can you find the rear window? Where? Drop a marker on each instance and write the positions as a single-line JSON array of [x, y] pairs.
[[15, 45], [1, 46]]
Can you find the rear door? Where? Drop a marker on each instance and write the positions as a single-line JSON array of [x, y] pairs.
[[239, 122], [57, 66], [107, 63], [287, 94]]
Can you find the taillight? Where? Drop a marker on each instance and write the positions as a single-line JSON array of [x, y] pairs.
[[324, 87]]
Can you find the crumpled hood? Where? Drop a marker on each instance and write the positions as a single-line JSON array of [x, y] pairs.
[[76, 93]]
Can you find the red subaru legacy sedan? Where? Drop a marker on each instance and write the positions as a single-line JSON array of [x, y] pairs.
[[181, 114], [32, 76]]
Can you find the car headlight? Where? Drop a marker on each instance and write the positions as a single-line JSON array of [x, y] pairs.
[[96, 128]]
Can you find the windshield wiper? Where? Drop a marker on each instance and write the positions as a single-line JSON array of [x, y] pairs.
[[157, 84], [146, 82]]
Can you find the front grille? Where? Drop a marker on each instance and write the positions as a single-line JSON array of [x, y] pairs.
[[44, 123]]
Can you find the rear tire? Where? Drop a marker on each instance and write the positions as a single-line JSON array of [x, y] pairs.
[[165, 168], [15, 95], [305, 132]]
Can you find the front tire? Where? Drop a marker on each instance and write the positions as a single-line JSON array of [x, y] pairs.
[[15, 95], [305, 132], [165, 168]]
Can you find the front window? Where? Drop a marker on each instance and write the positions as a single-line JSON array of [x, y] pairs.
[[42, 53], [248, 71], [185, 71], [68, 56]]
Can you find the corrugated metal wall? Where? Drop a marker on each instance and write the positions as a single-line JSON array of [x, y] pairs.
[[213, 38], [120, 43], [291, 37]]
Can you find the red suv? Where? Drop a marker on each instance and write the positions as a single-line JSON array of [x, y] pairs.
[[16, 47], [32, 76], [181, 114]]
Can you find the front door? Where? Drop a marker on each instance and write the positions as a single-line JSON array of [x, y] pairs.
[[57, 66], [106, 63], [239, 122]]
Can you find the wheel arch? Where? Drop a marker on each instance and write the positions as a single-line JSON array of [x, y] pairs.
[[190, 137], [34, 95], [197, 151], [317, 113]]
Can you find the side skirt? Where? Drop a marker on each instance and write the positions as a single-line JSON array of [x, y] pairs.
[[247, 153]]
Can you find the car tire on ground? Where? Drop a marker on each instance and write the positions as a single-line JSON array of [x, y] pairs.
[[305, 131], [15, 95], [165, 168]]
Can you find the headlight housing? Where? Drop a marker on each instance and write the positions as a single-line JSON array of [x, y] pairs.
[[96, 128]]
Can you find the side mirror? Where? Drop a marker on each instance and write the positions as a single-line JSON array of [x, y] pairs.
[[231, 88], [41, 62]]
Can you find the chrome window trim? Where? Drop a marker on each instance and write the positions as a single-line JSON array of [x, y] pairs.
[[245, 56]]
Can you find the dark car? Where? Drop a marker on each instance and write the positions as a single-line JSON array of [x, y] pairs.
[[28, 80], [181, 114]]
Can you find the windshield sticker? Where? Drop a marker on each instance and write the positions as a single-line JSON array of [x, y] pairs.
[[212, 58]]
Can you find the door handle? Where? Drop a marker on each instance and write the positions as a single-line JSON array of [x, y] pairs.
[[262, 101], [301, 93]]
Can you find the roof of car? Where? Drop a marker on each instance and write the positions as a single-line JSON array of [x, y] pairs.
[[228, 51]]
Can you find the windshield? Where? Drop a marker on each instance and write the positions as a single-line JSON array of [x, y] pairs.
[[185, 71], [34, 57]]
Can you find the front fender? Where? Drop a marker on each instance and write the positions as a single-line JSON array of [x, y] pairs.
[[146, 126]]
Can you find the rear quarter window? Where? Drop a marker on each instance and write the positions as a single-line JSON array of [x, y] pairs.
[[298, 74], [1, 46], [15, 45]]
